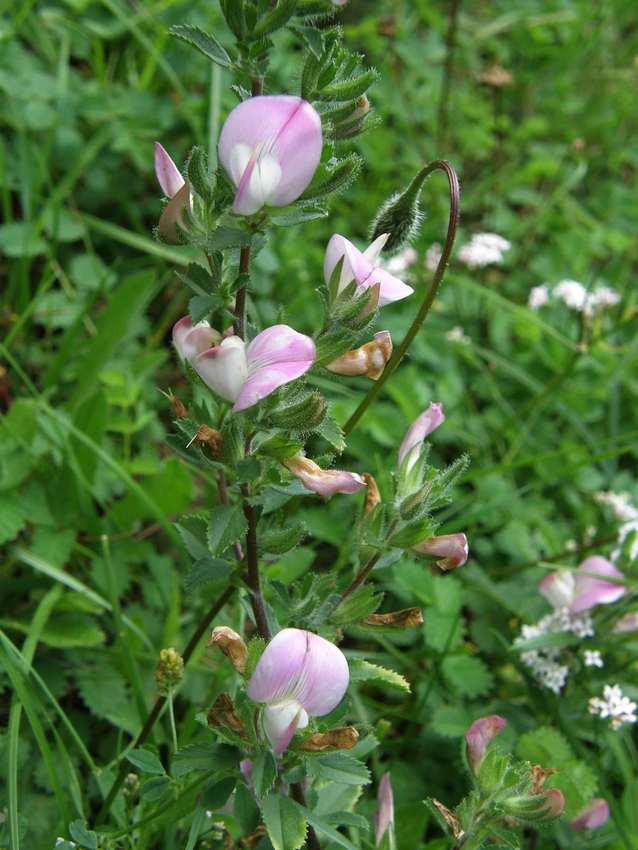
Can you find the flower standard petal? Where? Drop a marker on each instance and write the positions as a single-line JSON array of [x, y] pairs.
[[392, 289], [339, 247], [191, 340], [558, 588], [167, 172], [421, 428], [590, 590], [223, 368], [275, 357], [478, 737]]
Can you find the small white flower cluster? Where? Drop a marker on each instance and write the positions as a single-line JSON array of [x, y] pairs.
[[545, 663], [401, 262], [574, 295], [457, 334], [615, 706], [483, 249], [593, 658], [627, 513], [433, 256]]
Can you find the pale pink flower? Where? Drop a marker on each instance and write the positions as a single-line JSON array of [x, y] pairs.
[[168, 174], [270, 147], [478, 738], [324, 482], [595, 814], [384, 815], [585, 587], [241, 372], [421, 428], [451, 549], [363, 267], [299, 675]]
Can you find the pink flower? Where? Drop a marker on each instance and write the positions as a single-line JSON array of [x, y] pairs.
[[384, 815], [595, 814], [270, 146], [239, 372], [581, 589], [478, 738], [421, 428], [363, 267], [299, 675], [452, 549], [324, 482], [167, 172]]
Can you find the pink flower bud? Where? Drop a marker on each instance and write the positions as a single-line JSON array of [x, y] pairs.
[[595, 814], [452, 549], [364, 268], [241, 373], [299, 675], [384, 815], [368, 360], [168, 174], [582, 589], [478, 738], [270, 146], [421, 428], [324, 482]]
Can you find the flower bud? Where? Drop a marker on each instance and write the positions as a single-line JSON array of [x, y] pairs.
[[478, 738], [373, 497], [170, 670], [179, 409], [223, 714], [404, 619], [324, 482], [131, 785], [368, 359], [172, 221], [595, 814], [399, 216], [342, 738], [384, 815], [451, 549], [231, 645], [536, 807], [420, 429]]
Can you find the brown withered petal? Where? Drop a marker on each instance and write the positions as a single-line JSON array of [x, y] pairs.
[[211, 438], [223, 713], [369, 359], [342, 738], [404, 619], [172, 215], [449, 817], [231, 645], [178, 407], [539, 775], [373, 497]]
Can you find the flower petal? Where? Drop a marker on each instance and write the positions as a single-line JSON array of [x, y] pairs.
[[373, 251], [299, 665], [558, 588], [589, 590], [191, 340], [384, 815], [595, 814], [339, 247], [167, 172], [478, 737], [421, 428], [324, 482], [452, 549], [224, 368], [172, 216], [281, 720], [392, 289], [275, 357]]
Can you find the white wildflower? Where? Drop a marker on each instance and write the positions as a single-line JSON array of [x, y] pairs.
[[401, 262], [572, 293], [603, 297], [545, 663], [615, 706], [593, 658], [538, 297], [483, 249], [457, 334], [433, 256], [626, 512]]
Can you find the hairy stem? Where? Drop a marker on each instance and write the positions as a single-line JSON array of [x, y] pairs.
[[252, 574], [161, 700], [399, 353]]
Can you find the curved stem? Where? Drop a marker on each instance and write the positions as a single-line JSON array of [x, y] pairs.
[[397, 357]]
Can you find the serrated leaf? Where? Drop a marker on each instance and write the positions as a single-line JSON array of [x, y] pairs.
[[203, 756], [245, 810], [285, 822], [356, 607], [299, 216], [578, 782], [227, 524], [204, 42], [364, 671], [332, 433], [545, 746], [443, 632], [206, 571], [264, 773], [451, 721], [201, 306], [467, 674], [154, 789], [146, 761], [321, 825], [276, 541], [412, 533], [227, 237], [349, 89], [192, 530], [85, 837], [275, 18], [339, 767]]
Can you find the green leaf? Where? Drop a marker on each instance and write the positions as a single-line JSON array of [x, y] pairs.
[[215, 795], [322, 826], [202, 41], [545, 746], [227, 524], [336, 180], [339, 767], [82, 835], [275, 18], [467, 674], [555, 640], [206, 571], [356, 607], [227, 237], [363, 671], [451, 721], [203, 756], [413, 533], [332, 433], [349, 89], [264, 773], [578, 782], [276, 541], [299, 216], [443, 632], [285, 822], [146, 762], [246, 810], [154, 789]]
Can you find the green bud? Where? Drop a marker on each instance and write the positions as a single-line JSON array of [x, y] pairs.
[[536, 807], [304, 414], [399, 216], [170, 670]]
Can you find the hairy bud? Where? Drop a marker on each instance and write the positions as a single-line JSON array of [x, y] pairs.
[[231, 645], [536, 807], [223, 713], [399, 216], [170, 670], [404, 619], [342, 738]]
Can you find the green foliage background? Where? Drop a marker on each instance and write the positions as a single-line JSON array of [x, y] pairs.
[[545, 406]]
